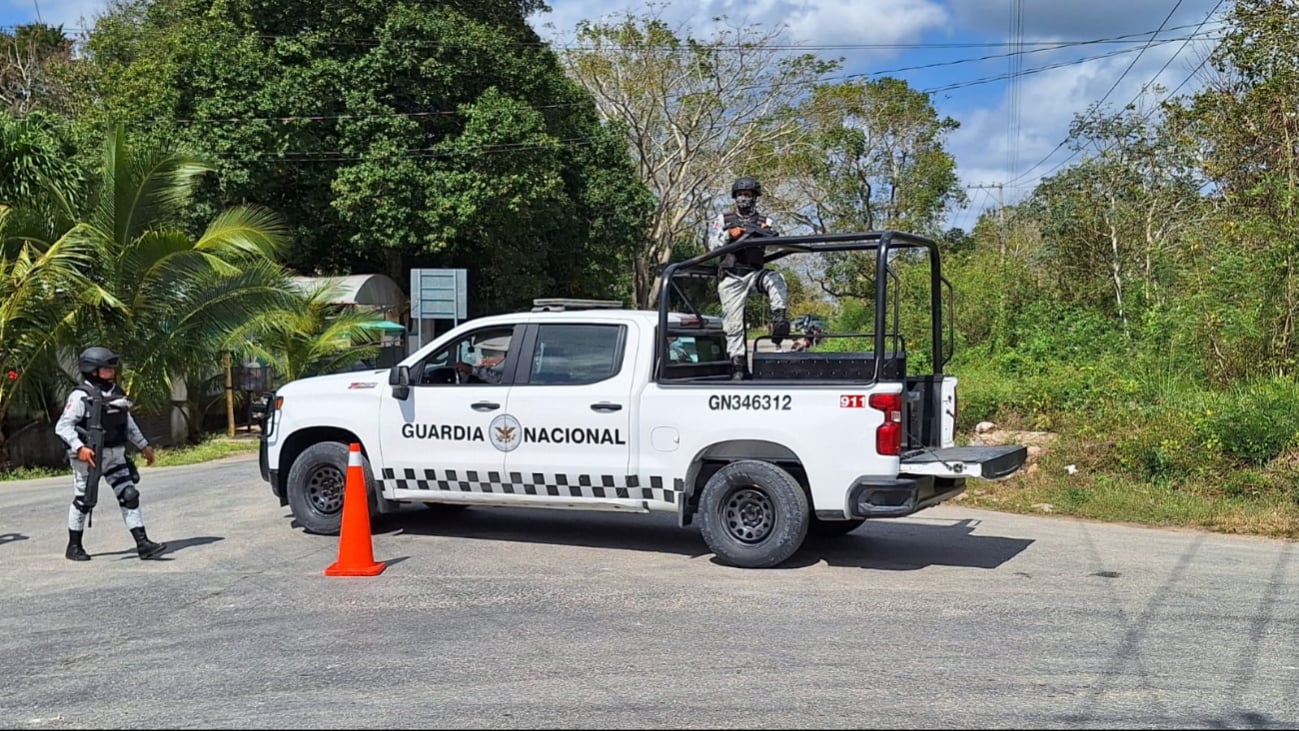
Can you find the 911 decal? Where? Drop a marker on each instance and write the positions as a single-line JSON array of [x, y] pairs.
[[749, 402]]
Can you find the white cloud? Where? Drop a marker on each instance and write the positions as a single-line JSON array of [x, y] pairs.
[[808, 22], [826, 22]]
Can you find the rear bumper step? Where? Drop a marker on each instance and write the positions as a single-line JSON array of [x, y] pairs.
[[877, 497], [988, 463]]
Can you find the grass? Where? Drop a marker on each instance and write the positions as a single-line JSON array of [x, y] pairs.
[[1111, 498], [212, 448]]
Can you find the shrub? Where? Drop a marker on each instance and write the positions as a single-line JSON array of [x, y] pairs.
[[1253, 423]]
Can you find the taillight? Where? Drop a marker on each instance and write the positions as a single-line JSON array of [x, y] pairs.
[[888, 437]]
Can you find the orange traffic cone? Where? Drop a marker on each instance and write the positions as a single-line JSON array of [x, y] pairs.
[[355, 552]]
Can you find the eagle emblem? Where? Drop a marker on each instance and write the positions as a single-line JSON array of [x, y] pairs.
[[506, 433]]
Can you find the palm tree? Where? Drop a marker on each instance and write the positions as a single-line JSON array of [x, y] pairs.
[[120, 270], [310, 337], [42, 292], [178, 296]]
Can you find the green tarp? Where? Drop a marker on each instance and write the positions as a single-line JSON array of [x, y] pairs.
[[385, 325]]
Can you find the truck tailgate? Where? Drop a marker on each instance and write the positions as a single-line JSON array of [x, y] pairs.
[[983, 462]]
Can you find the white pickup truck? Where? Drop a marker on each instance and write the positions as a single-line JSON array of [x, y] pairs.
[[594, 408]]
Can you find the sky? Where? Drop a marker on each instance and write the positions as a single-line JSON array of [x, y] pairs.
[[1012, 125]]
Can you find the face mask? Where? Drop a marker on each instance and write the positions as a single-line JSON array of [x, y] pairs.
[[744, 201]]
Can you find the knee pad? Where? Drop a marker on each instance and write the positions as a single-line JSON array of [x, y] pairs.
[[79, 502], [129, 497]]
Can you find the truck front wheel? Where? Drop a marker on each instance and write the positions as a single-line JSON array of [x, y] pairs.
[[316, 485], [753, 514]]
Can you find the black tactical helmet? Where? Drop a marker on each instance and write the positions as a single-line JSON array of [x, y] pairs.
[[94, 358], [746, 183]]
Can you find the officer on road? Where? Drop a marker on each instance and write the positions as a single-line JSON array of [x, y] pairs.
[[99, 390]]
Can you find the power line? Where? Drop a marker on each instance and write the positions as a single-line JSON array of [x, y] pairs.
[[417, 153], [1034, 70], [1016, 64], [335, 117], [559, 105], [375, 40], [1144, 117], [1115, 85]]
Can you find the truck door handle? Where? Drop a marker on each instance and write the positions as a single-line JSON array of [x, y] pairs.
[[484, 406], [606, 406]]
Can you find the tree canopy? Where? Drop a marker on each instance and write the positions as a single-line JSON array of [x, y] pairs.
[[389, 135]]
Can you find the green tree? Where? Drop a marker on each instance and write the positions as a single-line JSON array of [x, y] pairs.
[[698, 112], [871, 157], [37, 151], [175, 297], [1113, 221], [36, 69], [1245, 125], [390, 135]]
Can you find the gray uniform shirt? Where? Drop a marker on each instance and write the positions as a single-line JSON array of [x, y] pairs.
[[73, 411]]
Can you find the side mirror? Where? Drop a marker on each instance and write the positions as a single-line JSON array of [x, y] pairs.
[[399, 379]]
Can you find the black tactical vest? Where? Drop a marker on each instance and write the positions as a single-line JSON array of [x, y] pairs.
[[749, 258], [114, 419]]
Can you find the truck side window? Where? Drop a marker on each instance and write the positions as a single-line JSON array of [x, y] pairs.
[[576, 354], [483, 352]]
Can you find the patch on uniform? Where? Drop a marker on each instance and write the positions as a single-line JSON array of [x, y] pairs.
[[628, 487]]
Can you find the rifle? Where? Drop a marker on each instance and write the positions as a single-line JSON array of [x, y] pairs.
[[752, 230], [93, 436]]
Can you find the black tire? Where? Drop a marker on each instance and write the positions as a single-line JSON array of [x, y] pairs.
[[753, 514], [818, 528], [315, 487]]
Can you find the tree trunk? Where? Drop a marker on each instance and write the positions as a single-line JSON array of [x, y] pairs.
[[641, 283], [1116, 264], [1116, 269]]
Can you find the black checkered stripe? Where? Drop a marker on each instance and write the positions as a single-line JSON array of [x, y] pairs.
[[536, 483]]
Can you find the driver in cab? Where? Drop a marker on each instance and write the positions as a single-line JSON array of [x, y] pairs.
[[488, 369]]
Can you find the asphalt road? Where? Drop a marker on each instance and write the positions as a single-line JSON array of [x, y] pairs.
[[529, 618]]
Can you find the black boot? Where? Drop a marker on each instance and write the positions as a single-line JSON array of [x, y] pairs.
[[779, 327], [146, 547], [739, 366], [75, 552]]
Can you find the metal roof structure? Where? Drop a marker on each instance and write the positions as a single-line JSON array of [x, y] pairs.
[[375, 290]]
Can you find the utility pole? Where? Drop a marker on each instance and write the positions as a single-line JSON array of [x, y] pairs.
[[1001, 210]]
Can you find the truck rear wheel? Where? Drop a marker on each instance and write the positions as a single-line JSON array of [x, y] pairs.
[[316, 484], [753, 514]]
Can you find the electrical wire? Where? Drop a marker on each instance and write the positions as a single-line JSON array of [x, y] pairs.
[[1143, 118]]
